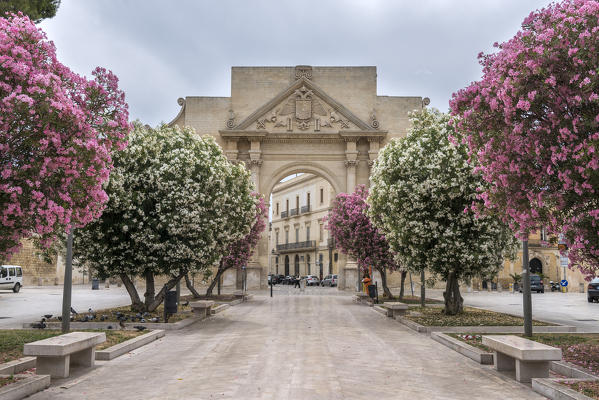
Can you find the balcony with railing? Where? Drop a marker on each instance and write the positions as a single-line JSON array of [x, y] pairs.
[[305, 209], [297, 246], [283, 214], [293, 211]]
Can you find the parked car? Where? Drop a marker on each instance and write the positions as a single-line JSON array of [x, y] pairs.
[[11, 277], [311, 280], [536, 284], [593, 290], [329, 280], [279, 279], [290, 280]]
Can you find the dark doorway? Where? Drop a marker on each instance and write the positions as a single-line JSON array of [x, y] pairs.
[[286, 265], [536, 267], [296, 265], [308, 263], [320, 264]]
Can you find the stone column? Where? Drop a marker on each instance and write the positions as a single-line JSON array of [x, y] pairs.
[[231, 149], [256, 273], [351, 161]]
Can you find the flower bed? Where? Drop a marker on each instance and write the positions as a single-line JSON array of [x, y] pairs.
[[409, 300], [12, 340], [432, 316], [588, 388], [8, 380], [579, 349], [112, 315]]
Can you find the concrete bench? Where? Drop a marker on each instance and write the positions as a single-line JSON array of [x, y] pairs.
[[55, 355], [202, 308], [361, 296], [531, 359], [395, 308]]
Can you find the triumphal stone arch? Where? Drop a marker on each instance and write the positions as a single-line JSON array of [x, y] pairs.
[[327, 121]]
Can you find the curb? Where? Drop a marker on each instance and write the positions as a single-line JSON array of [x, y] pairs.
[[24, 387], [128, 345], [570, 370], [551, 389], [464, 349], [219, 308], [16, 366], [483, 329]]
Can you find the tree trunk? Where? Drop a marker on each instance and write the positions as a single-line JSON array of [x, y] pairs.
[[403, 281], [153, 305], [219, 273], [454, 303], [386, 290], [193, 290], [150, 287], [136, 303]]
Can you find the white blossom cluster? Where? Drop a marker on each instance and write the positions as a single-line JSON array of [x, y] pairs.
[[175, 204], [421, 197]]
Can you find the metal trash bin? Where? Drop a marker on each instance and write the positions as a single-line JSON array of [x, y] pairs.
[[372, 291], [170, 302], [95, 284]]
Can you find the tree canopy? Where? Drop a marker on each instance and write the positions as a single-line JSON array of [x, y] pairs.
[[421, 197], [532, 123], [37, 10], [176, 204], [57, 133], [355, 234]]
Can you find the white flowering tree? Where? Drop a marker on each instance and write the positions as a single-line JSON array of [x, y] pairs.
[[422, 194], [175, 204]]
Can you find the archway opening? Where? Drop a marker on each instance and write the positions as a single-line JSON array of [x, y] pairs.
[[299, 203], [536, 266]]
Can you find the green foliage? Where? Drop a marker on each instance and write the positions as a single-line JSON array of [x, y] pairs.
[[422, 193], [516, 277], [37, 10]]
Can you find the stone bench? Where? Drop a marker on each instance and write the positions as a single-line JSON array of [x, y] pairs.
[[361, 296], [202, 308], [55, 355], [395, 308], [530, 359]]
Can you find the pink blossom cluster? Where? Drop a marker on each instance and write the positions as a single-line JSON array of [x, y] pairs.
[[355, 234], [583, 354], [57, 132], [240, 251], [532, 127]]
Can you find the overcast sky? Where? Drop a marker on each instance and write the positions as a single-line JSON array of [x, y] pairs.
[[163, 50]]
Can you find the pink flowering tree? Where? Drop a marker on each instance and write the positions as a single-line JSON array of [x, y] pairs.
[[57, 132], [240, 251], [356, 236], [532, 124]]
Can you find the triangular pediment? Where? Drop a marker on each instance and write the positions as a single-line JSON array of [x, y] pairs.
[[303, 107]]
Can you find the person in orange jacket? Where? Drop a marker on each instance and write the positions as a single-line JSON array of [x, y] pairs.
[[366, 281]]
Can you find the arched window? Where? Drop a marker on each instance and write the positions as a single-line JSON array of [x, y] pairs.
[[536, 266], [297, 265]]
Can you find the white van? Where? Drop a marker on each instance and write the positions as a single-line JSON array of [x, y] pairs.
[[11, 277]]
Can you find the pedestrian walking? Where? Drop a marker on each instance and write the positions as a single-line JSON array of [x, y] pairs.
[[297, 282]]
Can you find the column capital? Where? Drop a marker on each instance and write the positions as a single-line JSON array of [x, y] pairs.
[[351, 163]]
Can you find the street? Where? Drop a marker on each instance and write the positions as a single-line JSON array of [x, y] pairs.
[[292, 346]]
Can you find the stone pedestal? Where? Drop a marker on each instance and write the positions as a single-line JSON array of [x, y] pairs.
[[350, 275]]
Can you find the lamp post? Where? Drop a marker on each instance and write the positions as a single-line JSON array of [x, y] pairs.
[[526, 297], [68, 285]]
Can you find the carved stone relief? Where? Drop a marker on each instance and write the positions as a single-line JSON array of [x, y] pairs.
[[304, 110]]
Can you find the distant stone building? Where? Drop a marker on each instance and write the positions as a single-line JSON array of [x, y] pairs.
[[325, 121], [299, 243], [37, 272]]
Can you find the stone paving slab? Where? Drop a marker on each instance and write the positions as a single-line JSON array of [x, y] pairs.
[[292, 347]]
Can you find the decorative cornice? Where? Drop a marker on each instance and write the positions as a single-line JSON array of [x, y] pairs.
[[303, 71], [181, 102]]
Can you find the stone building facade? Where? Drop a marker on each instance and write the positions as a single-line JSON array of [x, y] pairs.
[[299, 242], [325, 121], [38, 272]]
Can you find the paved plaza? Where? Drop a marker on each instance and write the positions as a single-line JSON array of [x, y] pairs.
[[292, 346]]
